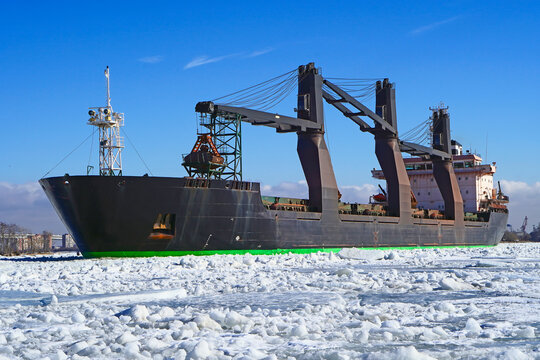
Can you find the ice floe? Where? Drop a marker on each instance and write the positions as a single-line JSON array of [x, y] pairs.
[[456, 303]]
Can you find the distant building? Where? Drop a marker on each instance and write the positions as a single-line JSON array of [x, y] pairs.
[[68, 242], [27, 243], [63, 242], [14, 240], [57, 242]]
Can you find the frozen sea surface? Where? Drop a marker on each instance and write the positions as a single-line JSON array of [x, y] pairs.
[[460, 303]]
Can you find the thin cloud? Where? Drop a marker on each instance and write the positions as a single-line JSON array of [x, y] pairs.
[[260, 52], [151, 59], [432, 26], [203, 60]]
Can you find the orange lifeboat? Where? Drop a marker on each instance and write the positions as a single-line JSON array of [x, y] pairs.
[[380, 197]]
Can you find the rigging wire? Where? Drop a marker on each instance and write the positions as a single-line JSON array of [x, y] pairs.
[[269, 93], [71, 152], [355, 79], [91, 148], [419, 134], [365, 90], [139, 155], [263, 95], [280, 96], [256, 85], [259, 94], [266, 97], [256, 89]]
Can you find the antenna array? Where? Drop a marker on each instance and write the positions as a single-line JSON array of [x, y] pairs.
[[110, 141]]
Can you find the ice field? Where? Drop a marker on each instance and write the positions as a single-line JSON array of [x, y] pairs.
[[468, 303]]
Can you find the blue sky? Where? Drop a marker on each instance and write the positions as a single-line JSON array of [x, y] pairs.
[[480, 58]]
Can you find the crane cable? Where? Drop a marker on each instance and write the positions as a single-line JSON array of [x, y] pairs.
[[269, 93], [420, 134], [90, 154], [71, 152], [139, 155], [264, 95]]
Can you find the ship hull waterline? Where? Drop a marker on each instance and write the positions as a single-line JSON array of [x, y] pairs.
[[116, 216]]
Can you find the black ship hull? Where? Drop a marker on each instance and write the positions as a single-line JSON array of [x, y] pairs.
[[145, 216]]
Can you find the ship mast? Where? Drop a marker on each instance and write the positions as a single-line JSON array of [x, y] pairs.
[[110, 141]]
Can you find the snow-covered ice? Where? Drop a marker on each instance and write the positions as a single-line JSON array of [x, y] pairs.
[[468, 303]]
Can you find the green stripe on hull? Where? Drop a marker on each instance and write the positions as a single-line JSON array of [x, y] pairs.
[[101, 254]]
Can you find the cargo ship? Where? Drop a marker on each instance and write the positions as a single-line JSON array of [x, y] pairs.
[[214, 211]]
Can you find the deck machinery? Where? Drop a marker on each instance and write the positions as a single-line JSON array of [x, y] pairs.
[[209, 214]]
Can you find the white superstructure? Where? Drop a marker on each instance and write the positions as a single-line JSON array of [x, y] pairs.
[[474, 178]]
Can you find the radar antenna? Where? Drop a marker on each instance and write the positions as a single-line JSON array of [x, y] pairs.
[[110, 141]]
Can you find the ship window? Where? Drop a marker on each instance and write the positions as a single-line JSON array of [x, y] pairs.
[[418, 194], [458, 165], [429, 166], [466, 191], [409, 167], [429, 193], [469, 164], [466, 178], [163, 227], [431, 179], [414, 180], [459, 178]]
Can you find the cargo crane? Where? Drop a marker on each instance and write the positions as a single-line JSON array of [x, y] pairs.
[[523, 226], [519, 235], [313, 88]]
